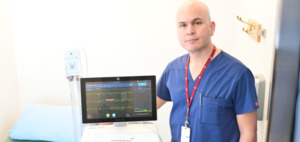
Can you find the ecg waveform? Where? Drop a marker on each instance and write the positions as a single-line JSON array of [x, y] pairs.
[[110, 108], [109, 93], [120, 101], [111, 100]]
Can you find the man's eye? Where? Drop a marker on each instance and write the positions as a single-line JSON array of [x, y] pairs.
[[182, 25], [198, 23]]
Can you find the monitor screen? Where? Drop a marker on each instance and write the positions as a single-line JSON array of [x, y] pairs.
[[118, 99]]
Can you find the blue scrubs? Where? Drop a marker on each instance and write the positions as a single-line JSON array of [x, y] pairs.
[[226, 89]]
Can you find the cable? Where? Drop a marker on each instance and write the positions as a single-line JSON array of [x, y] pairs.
[[70, 79], [79, 100], [152, 130], [74, 81], [86, 61]]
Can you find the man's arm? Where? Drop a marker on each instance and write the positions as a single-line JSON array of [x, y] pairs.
[[248, 126], [160, 102]]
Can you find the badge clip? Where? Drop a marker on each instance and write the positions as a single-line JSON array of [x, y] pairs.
[[186, 122]]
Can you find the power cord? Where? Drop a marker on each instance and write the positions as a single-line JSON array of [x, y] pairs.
[[152, 130], [86, 60]]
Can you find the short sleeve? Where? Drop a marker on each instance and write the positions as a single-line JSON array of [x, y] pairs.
[[162, 89], [246, 97]]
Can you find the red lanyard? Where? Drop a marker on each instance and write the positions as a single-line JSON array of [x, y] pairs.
[[189, 102]]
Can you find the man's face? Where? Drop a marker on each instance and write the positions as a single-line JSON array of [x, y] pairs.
[[194, 28]]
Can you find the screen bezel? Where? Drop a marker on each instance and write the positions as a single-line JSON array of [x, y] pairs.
[[83, 82]]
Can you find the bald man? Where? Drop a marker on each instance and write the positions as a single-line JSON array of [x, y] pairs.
[[213, 94]]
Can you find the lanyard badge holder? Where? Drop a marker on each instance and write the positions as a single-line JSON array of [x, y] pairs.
[[185, 130]]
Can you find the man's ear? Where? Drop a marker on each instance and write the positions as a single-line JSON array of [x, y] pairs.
[[212, 28]]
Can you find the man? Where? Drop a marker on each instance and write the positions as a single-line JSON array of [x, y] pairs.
[[213, 94]]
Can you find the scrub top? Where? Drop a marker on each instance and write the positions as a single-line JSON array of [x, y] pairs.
[[227, 89]]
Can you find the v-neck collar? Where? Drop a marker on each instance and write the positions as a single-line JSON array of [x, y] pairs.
[[191, 80]]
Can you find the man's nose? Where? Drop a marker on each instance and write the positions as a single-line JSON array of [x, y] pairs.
[[190, 30]]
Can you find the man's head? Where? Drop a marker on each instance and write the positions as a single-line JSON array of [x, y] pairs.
[[194, 26]]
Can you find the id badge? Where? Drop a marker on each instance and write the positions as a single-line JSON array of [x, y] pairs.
[[185, 134]]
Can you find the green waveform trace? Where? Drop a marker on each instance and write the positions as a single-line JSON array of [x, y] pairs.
[[110, 108], [143, 110], [115, 100], [110, 93]]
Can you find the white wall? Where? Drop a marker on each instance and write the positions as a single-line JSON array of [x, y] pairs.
[[123, 38], [10, 101]]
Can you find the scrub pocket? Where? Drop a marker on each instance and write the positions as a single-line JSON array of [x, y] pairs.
[[213, 110]]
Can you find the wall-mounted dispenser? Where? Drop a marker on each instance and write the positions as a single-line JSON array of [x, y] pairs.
[[260, 90]]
